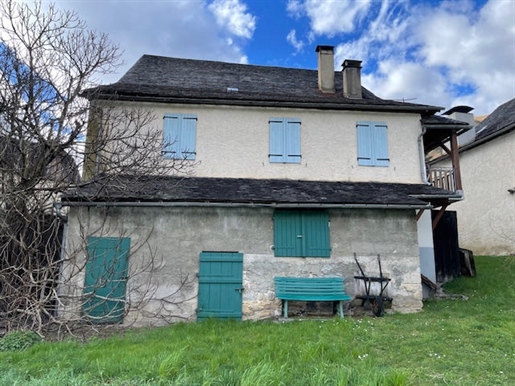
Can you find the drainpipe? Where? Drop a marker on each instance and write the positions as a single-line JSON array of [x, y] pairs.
[[422, 157], [58, 206]]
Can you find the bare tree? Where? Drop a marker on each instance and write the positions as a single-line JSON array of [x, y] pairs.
[[50, 135]]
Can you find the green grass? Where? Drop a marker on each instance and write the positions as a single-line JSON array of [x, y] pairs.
[[452, 342]]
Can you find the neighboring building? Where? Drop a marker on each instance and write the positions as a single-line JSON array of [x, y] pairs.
[[486, 218], [295, 171]]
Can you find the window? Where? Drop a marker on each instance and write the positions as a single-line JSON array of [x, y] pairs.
[[372, 144], [285, 140], [179, 134], [301, 233]]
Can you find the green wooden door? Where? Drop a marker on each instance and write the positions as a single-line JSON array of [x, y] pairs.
[[220, 285], [105, 279]]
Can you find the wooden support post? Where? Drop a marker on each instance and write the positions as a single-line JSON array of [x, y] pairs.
[[456, 159], [445, 148], [419, 214], [439, 215]]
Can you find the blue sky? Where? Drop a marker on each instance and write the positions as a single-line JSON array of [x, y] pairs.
[[441, 53]]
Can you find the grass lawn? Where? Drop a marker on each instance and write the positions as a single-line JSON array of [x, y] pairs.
[[452, 342]]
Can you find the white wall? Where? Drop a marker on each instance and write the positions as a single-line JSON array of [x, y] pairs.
[[234, 142], [426, 248], [486, 218]]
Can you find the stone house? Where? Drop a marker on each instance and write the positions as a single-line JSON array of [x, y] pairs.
[[295, 171]]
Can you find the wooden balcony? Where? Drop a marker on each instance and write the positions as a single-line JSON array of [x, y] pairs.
[[444, 178]]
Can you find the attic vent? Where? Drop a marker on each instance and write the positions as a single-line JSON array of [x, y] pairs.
[[232, 89]]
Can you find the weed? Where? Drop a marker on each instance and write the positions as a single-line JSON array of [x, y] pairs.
[[451, 342], [19, 340]]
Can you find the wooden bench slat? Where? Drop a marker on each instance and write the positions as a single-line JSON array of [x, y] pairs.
[[310, 289]]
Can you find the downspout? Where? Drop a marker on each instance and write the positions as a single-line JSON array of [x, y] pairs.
[[422, 156], [58, 207]]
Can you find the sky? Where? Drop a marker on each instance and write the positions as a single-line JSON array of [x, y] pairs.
[[441, 53]]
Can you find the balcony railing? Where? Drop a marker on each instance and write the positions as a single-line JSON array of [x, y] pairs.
[[443, 178]]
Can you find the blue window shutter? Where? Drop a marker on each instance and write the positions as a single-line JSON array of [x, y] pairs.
[[171, 135], [365, 149], [179, 136], [292, 141], [316, 233], [277, 147], [188, 137], [287, 229], [381, 144]]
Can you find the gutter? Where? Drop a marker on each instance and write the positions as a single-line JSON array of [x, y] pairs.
[[271, 103], [422, 156], [455, 197], [183, 204]]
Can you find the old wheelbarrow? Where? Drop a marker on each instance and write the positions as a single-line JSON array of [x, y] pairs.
[[377, 300]]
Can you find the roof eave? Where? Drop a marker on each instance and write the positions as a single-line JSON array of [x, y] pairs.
[[240, 204], [488, 138], [421, 109]]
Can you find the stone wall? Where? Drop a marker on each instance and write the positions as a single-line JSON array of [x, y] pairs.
[[173, 238]]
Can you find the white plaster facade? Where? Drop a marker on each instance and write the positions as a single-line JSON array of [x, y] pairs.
[[486, 217], [233, 141]]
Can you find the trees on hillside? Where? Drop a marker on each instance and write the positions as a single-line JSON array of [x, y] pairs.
[[48, 58]]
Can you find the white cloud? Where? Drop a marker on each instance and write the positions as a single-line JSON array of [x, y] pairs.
[[442, 55], [233, 15], [392, 76], [476, 50], [292, 39], [330, 17], [179, 28]]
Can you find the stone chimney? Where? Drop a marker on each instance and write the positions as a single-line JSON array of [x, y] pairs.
[[352, 79], [325, 68]]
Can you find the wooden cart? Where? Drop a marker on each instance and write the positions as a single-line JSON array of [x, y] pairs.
[[376, 301]]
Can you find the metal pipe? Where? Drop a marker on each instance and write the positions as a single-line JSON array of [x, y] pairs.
[[58, 206], [422, 156]]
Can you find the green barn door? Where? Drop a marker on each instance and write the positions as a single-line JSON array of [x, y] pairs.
[[105, 279], [220, 285]]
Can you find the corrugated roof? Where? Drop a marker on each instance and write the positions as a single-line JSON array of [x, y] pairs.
[[164, 79]]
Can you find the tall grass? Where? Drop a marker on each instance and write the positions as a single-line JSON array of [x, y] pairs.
[[458, 341]]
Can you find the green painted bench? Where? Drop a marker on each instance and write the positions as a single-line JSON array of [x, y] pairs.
[[312, 289]]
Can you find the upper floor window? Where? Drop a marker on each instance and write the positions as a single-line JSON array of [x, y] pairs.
[[301, 233], [372, 144], [285, 140], [179, 136]]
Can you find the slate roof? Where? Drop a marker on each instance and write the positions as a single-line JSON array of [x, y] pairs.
[[438, 120], [168, 80], [253, 192], [439, 129], [501, 120]]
